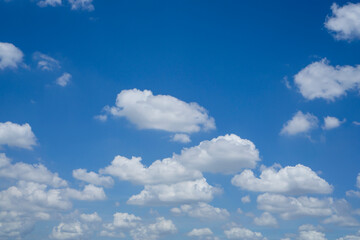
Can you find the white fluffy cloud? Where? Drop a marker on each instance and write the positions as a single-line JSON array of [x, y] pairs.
[[182, 192], [297, 179], [166, 171], [243, 233], [64, 231], [14, 225], [82, 5], [331, 123], [200, 232], [202, 210], [160, 228], [89, 193], [300, 123], [291, 207], [179, 179], [245, 199], [38, 195], [224, 154], [92, 177], [266, 219], [321, 80], [336, 212], [161, 112], [32, 198], [64, 79], [342, 214], [92, 217], [121, 222], [35, 173], [309, 232], [45, 62], [345, 21], [181, 137], [10, 56], [15, 135]]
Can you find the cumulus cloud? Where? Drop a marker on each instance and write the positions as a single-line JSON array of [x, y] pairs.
[[266, 219], [89, 193], [181, 137], [246, 199], [336, 212], [10, 56], [225, 154], [345, 21], [300, 123], [64, 79], [291, 207], [166, 171], [165, 180], [161, 112], [321, 80], [92, 217], [15, 135], [309, 232], [122, 221], [45, 62], [200, 232], [92, 177], [64, 231], [82, 5], [182, 192], [342, 220], [32, 198], [160, 228], [38, 195], [297, 179], [35, 173], [243, 233], [331, 123], [14, 225], [342, 214], [202, 210]]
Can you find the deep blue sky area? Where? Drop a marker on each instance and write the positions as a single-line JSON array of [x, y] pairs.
[[236, 59]]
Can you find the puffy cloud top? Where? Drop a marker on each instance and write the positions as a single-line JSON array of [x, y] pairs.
[[162, 112], [331, 122], [10, 56], [300, 123], [203, 211], [224, 154], [243, 233], [182, 192], [93, 178], [321, 80], [291, 207], [35, 173], [297, 179], [15, 135], [345, 21], [200, 232], [165, 171]]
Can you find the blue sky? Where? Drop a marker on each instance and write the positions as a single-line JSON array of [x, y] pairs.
[[179, 120]]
